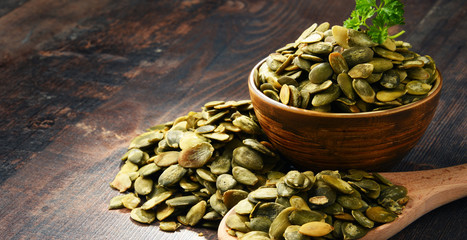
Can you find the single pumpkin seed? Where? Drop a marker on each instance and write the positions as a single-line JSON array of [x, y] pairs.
[[196, 213], [364, 90], [417, 88], [196, 156], [320, 73], [143, 216], [182, 201], [170, 226], [316, 229]]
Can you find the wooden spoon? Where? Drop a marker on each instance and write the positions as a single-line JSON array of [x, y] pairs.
[[427, 190]]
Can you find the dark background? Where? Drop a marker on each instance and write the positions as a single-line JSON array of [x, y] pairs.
[[79, 79]]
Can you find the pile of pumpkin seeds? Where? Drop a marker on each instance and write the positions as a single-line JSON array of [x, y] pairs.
[[342, 70], [329, 205], [193, 170]]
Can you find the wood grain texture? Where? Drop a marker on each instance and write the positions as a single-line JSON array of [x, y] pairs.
[[79, 79]]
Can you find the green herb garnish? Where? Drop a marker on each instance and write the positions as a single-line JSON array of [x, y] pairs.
[[388, 13]]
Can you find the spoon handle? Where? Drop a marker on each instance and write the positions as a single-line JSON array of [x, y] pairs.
[[427, 190]]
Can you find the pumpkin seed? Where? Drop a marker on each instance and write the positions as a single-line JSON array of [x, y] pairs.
[[172, 175], [169, 226], [196, 213], [196, 156], [362, 70], [388, 54], [233, 196], [182, 201], [316, 229], [364, 90], [247, 158], [320, 73], [338, 184], [301, 216], [143, 186], [326, 97], [244, 176], [259, 224], [280, 223], [143, 216], [338, 63], [357, 55], [417, 88], [380, 214], [352, 231], [163, 211]]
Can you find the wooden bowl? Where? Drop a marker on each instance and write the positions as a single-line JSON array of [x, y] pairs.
[[369, 140]]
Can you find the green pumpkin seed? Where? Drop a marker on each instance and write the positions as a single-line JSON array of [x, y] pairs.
[[121, 182], [364, 90], [389, 54], [196, 156], [135, 156], [169, 226], [350, 202], [244, 207], [380, 214], [390, 95], [196, 213], [381, 64], [353, 231], [283, 190], [417, 88], [357, 55], [218, 205], [301, 216], [287, 80], [143, 216], [393, 192], [172, 175], [259, 224], [237, 222], [267, 194], [390, 79], [131, 201], [337, 183], [299, 203], [362, 70], [149, 169], [280, 223], [244, 176], [143, 186], [338, 63], [247, 158], [116, 202], [182, 201], [146, 139], [362, 219], [225, 182], [318, 48], [326, 97], [247, 125], [360, 39], [233, 196], [320, 73]]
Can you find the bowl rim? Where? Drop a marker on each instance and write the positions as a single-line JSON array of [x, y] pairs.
[[254, 90]]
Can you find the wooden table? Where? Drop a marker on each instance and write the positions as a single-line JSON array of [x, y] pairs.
[[79, 79]]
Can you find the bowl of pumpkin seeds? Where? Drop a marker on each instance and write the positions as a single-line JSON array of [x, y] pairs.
[[335, 99]]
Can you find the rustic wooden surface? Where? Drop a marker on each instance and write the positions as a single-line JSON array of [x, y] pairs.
[[79, 79]]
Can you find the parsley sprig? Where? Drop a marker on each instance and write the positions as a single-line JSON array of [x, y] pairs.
[[388, 13]]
